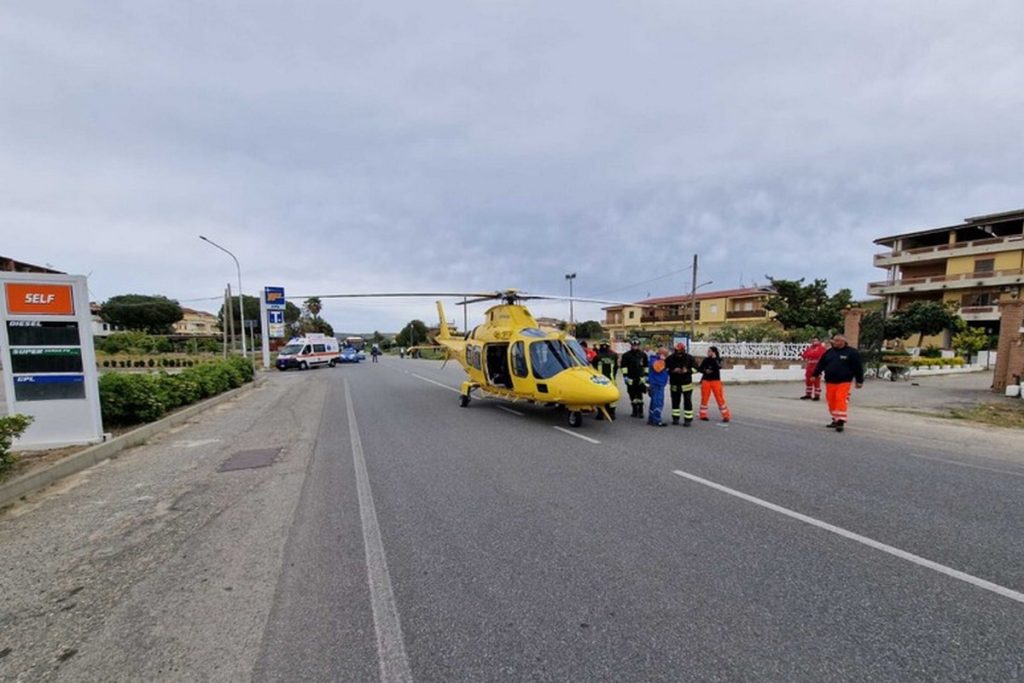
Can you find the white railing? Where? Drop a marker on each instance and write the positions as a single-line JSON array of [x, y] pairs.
[[752, 350]]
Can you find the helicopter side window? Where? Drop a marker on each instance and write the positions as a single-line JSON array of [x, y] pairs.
[[519, 360], [549, 358]]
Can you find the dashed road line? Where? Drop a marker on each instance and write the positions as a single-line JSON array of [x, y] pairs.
[[1012, 473], [870, 542], [578, 436], [394, 663], [434, 381]]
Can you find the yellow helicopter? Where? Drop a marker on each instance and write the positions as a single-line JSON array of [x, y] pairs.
[[509, 356]]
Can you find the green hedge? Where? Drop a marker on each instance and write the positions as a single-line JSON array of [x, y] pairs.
[[11, 427], [129, 399]]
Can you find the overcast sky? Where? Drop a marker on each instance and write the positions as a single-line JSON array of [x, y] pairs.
[[340, 147]]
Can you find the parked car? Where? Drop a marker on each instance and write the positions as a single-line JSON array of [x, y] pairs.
[[349, 355]]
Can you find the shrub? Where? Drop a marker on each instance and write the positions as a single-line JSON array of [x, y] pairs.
[[128, 399], [931, 351], [11, 427]]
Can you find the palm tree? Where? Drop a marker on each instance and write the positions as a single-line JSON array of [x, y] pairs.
[[313, 306]]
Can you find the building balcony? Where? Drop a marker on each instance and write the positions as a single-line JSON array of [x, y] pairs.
[[655, 319], [992, 278], [979, 313], [734, 315], [945, 251]]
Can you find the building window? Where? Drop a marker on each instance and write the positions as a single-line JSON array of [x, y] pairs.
[[714, 308], [984, 265], [632, 314]]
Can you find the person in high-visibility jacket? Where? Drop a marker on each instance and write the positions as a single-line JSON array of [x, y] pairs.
[[681, 366], [606, 362], [711, 383], [657, 378], [634, 374], [812, 383], [841, 365]]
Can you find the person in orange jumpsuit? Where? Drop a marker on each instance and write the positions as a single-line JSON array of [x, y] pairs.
[[711, 383], [812, 383], [842, 366]]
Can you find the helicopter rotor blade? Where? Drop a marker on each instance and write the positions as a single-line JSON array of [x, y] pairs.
[[395, 295]]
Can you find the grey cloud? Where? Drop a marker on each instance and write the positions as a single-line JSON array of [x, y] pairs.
[[459, 145]]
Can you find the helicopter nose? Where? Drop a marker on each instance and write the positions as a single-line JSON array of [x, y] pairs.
[[599, 389]]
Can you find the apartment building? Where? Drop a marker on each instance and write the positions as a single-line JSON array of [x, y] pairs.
[[975, 264], [197, 323], [671, 314]]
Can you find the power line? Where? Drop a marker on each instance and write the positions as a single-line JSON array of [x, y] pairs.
[[644, 282]]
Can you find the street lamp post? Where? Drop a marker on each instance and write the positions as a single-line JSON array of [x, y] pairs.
[[572, 319], [241, 309]]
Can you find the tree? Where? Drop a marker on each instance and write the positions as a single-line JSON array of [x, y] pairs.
[[313, 306], [307, 324], [153, 314], [377, 338], [969, 341], [798, 305], [590, 329], [252, 312], [415, 332], [923, 318]]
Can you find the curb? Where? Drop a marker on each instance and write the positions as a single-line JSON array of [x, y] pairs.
[[15, 489]]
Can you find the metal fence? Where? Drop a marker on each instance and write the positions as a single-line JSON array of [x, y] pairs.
[[752, 350]]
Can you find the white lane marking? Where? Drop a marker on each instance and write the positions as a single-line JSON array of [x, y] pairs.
[[394, 664], [432, 381], [509, 410], [578, 436], [896, 552], [1012, 473]]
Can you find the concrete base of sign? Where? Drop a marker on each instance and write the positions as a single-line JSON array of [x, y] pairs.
[[34, 481]]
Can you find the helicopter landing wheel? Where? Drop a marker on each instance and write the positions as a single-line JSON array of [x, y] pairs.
[[611, 412], [575, 418], [463, 400]]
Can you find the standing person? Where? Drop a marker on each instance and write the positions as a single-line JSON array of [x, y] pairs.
[[681, 366], [589, 351], [840, 365], [711, 383], [634, 373], [374, 352], [657, 378], [606, 362], [812, 383]]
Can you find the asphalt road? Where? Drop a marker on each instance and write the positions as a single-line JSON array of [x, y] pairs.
[[398, 536]]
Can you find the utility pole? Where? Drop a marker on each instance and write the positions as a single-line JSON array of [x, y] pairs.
[[224, 320], [693, 303], [572, 316], [231, 319]]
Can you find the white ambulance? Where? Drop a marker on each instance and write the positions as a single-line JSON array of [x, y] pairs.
[[309, 351]]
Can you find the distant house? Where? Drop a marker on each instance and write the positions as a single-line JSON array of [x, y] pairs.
[[669, 314], [100, 328], [11, 266], [197, 323]]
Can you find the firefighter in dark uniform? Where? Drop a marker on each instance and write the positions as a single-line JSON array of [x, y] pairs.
[[634, 372], [606, 362], [681, 366]]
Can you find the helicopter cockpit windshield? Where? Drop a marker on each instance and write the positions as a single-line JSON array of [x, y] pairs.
[[577, 351], [550, 357]]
